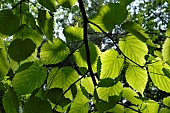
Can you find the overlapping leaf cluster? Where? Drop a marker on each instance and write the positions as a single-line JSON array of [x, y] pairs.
[[41, 73]]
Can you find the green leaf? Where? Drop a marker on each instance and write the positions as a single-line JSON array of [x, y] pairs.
[[10, 101], [134, 49], [80, 56], [46, 23], [157, 76], [20, 50], [9, 22], [28, 80], [138, 31], [108, 16], [131, 95], [164, 110], [73, 33], [125, 2], [80, 103], [24, 67], [27, 32], [49, 4], [166, 101], [66, 3], [37, 105], [87, 83], [104, 106], [107, 82], [54, 95], [104, 93], [111, 64], [137, 78], [62, 77], [4, 63], [52, 53], [117, 109], [28, 19], [166, 50], [150, 107]]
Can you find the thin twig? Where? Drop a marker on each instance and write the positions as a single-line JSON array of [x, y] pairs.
[[85, 20], [19, 3], [69, 89], [115, 44], [130, 107]]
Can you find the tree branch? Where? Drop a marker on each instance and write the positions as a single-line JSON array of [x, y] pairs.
[[85, 20], [115, 44], [19, 3]]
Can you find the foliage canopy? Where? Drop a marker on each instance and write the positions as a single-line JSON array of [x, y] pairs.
[[111, 56]]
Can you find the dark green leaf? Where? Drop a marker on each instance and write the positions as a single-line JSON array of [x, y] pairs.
[[66, 3], [107, 82], [37, 105], [20, 50], [54, 95], [24, 67], [9, 22]]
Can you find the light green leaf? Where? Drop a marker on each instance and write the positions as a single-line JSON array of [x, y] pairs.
[[111, 64], [73, 33], [52, 53], [131, 95], [104, 93], [9, 22], [10, 101], [128, 110], [87, 83], [80, 56], [158, 77], [137, 78], [62, 77], [166, 101], [150, 107], [166, 50], [108, 16], [80, 103], [26, 81], [37, 105], [117, 109], [164, 110], [66, 3], [49, 4], [134, 49], [46, 23], [4, 63], [139, 32], [27, 32], [20, 50]]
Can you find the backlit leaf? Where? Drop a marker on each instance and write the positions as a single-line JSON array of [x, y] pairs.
[[27, 32], [66, 3], [166, 50], [136, 78], [4, 63], [80, 56], [62, 77], [104, 93], [134, 49], [9, 22], [131, 95], [26, 81], [87, 83], [166, 101], [111, 64], [108, 16], [150, 106], [158, 77], [73, 33], [52, 53], [20, 50]]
